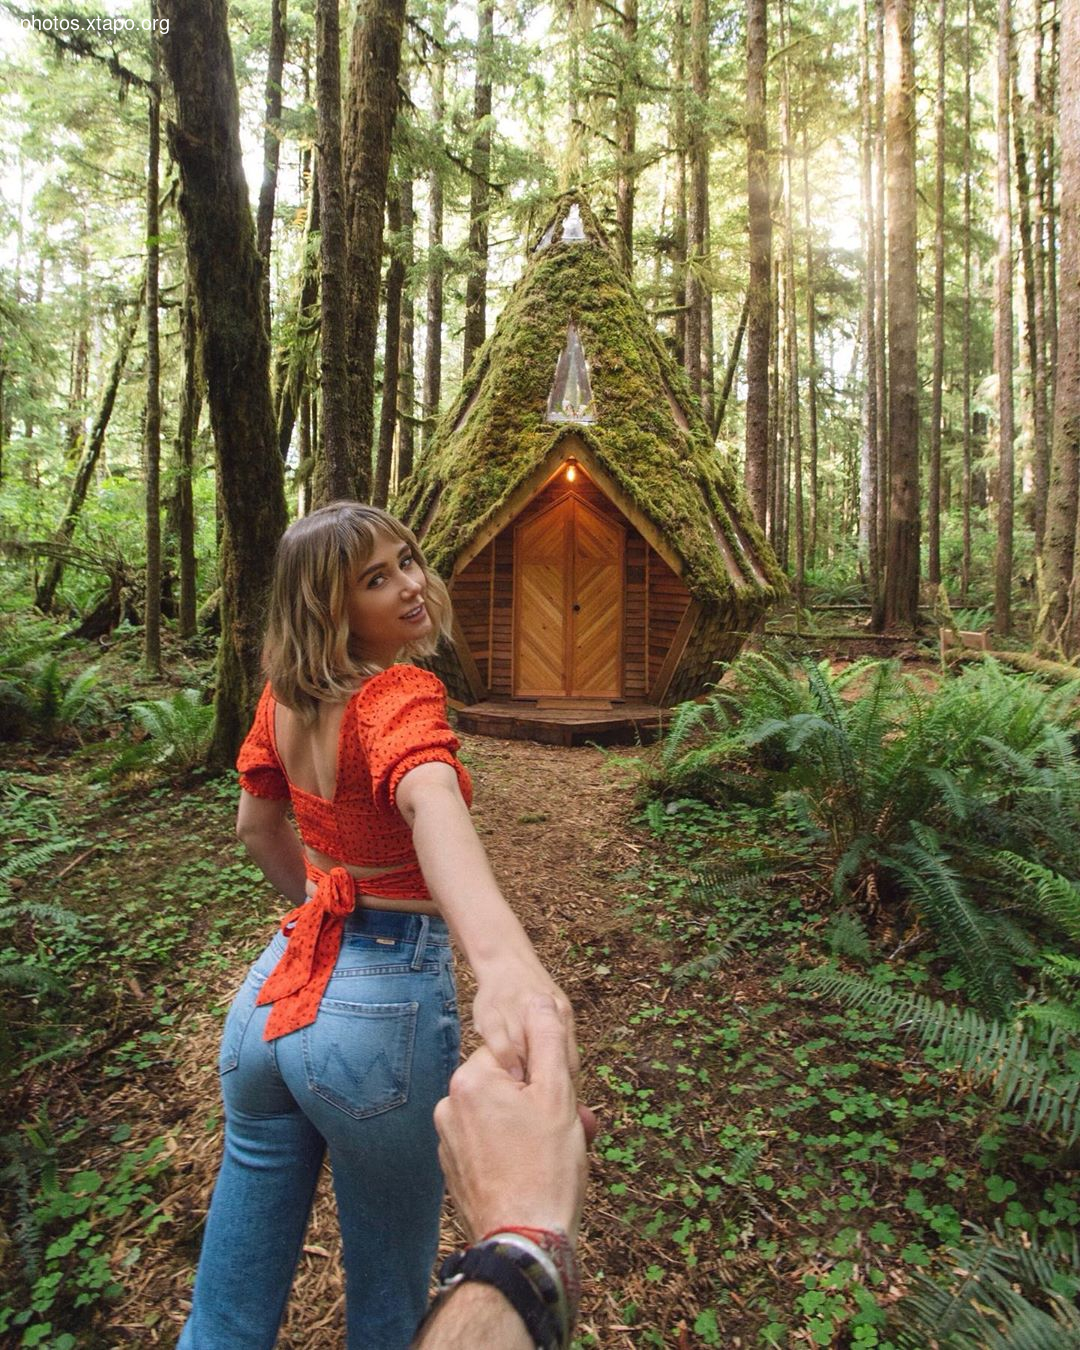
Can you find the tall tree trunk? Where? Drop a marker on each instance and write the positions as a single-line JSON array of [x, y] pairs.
[[370, 112], [902, 560], [1051, 214], [792, 411], [868, 470], [475, 329], [80, 360], [1034, 338], [152, 420], [226, 274], [938, 377], [395, 281], [965, 561], [436, 264], [294, 360], [699, 190], [407, 380], [811, 349], [187, 422], [729, 372], [275, 65], [1060, 608], [881, 296], [626, 136], [679, 227], [46, 590], [759, 296], [1003, 331], [337, 456]]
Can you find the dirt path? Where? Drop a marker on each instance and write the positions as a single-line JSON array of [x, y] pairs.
[[555, 823]]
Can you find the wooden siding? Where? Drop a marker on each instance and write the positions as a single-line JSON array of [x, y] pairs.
[[667, 601]]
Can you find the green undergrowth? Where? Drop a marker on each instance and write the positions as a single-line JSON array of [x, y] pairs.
[[822, 1125], [788, 1169], [117, 907]]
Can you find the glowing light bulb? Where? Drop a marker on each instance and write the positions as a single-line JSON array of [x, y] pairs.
[[571, 473]]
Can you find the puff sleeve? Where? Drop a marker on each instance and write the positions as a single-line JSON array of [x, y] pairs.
[[260, 769], [403, 724]]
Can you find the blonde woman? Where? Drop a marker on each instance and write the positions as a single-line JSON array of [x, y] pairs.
[[345, 1033]]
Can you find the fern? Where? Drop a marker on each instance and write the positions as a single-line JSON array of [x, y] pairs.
[[178, 732], [969, 934], [847, 936], [985, 1050], [1052, 896], [998, 1294]]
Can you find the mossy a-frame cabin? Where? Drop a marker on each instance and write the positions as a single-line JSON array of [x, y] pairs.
[[598, 549]]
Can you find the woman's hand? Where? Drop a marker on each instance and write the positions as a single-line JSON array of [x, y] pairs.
[[504, 993]]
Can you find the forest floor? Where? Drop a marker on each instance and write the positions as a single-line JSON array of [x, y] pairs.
[[770, 1170]]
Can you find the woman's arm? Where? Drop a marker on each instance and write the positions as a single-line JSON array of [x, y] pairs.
[[508, 971], [263, 825]]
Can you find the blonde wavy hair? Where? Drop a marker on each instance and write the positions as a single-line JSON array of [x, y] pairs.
[[309, 655]]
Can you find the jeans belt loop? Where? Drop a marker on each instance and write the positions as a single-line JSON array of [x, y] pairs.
[[421, 942]]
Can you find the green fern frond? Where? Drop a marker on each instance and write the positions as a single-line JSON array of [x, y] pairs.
[[1049, 894], [987, 1051], [720, 950], [968, 933], [687, 719], [26, 976], [44, 911], [744, 1162], [846, 935], [998, 1294]]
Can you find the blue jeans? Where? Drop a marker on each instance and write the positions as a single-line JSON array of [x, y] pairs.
[[361, 1082]]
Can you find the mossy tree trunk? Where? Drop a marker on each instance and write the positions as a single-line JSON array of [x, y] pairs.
[[475, 329], [395, 282], [264, 221], [933, 487], [371, 105], [432, 391], [152, 419], [407, 377], [336, 465], [295, 357], [902, 560], [1034, 336], [759, 293], [1061, 600], [1003, 330], [626, 136], [226, 276], [186, 423]]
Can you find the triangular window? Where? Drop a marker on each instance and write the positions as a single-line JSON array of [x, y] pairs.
[[545, 238], [573, 232], [571, 398]]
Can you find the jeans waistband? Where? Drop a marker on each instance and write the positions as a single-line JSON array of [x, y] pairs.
[[396, 924]]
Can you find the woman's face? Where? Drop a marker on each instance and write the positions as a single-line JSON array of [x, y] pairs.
[[385, 606]]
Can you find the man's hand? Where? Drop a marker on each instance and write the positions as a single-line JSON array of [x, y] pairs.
[[514, 1152]]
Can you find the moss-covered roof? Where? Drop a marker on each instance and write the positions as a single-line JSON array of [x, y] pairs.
[[674, 476]]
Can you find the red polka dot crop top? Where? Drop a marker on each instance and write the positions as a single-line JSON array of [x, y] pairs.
[[395, 721]]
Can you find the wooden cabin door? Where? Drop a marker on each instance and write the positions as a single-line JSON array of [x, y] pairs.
[[568, 569]]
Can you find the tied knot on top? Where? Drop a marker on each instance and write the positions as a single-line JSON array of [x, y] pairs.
[[296, 984]]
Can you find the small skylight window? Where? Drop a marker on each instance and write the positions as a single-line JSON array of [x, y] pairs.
[[571, 398], [545, 238], [573, 232]]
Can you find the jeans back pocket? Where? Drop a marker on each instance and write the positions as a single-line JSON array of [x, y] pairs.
[[358, 1056], [236, 1023]]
